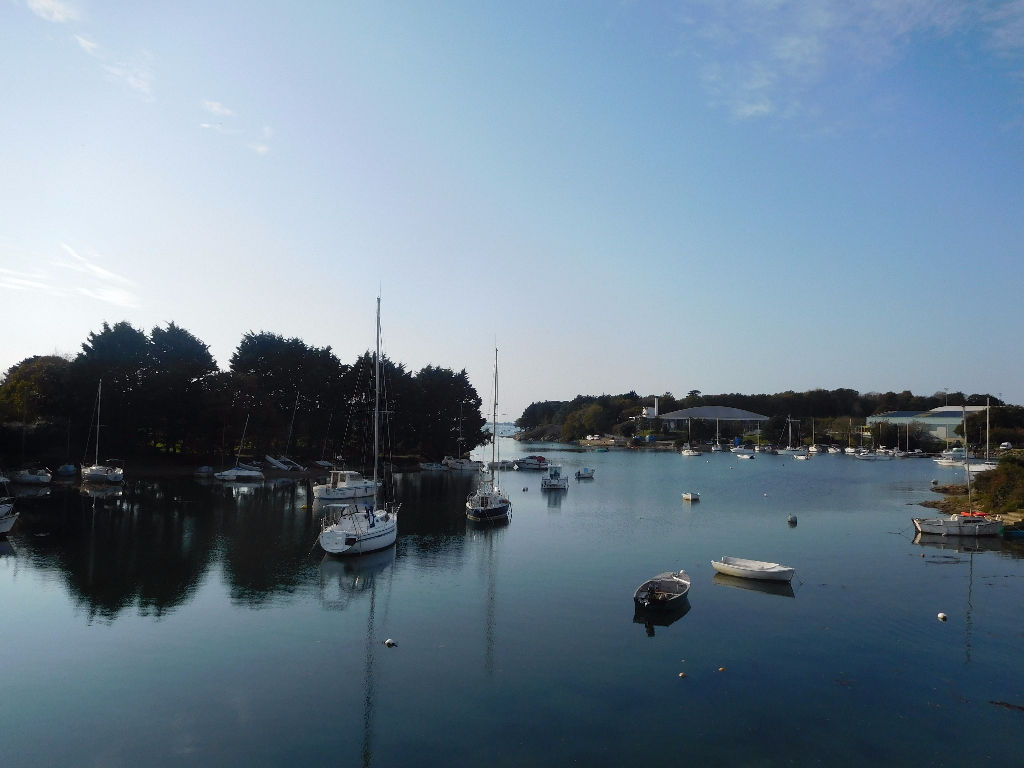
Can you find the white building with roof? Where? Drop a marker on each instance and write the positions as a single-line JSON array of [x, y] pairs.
[[941, 423]]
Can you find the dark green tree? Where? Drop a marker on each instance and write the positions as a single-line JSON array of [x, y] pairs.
[[284, 386], [446, 419], [180, 365], [120, 356]]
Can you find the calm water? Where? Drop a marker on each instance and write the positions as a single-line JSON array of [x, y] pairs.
[[187, 624]]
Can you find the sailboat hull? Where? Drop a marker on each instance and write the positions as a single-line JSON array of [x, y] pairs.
[[495, 513], [351, 532], [8, 516], [101, 473], [959, 525]]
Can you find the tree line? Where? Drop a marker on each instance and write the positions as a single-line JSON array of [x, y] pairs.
[[163, 394], [823, 414]]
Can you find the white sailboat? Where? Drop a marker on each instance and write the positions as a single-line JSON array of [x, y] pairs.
[[347, 529], [343, 485], [969, 523], [689, 449], [8, 517], [488, 503], [241, 472], [101, 473]]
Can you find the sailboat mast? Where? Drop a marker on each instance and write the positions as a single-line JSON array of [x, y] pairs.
[[967, 453], [99, 400], [291, 427], [988, 410], [241, 444], [494, 425], [376, 407]]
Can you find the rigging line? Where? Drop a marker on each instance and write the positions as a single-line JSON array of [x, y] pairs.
[[92, 417], [353, 401]]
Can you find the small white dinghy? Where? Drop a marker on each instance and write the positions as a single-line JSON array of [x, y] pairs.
[[753, 569], [691, 496]]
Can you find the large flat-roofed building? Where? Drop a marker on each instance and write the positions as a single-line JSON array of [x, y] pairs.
[[940, 423]]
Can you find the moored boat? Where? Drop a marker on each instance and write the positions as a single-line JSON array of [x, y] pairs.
[[347, 529], [32, 474], [241, 472], [691, 496], [344, 485], [531, 463], [8, 517], [663, 591], [461, 464], [753, 569], [113, 470], [960, 524], [555, 480], [585, 473], [488, 504]]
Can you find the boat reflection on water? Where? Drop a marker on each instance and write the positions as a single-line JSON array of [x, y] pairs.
[[781, 588], [239, 488], [355, 577], [101, 491], [22, 491], [661, 617], [343, 578], [6, 548], [554, 497], [963, 544]]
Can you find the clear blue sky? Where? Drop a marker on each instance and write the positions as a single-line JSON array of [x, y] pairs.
[[653, 196]]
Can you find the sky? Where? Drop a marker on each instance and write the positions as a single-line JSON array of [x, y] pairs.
[[753, 196]]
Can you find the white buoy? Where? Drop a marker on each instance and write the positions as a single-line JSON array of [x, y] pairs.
[[942, 617]]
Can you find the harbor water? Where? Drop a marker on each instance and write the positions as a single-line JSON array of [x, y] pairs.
[[185, 623]]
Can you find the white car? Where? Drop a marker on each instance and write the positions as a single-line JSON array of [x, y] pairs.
[[1005, 446]]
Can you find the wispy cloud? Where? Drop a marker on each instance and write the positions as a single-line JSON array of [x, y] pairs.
[[760, 58], [79, 263], [216, 108], [73, 275], [106, 294], [87, 45], [53, 10], [137, 75], [220, 128], [15, 280], [1006, 21], [135, 72], [262, 146]]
